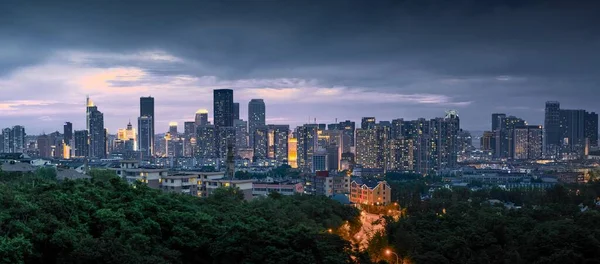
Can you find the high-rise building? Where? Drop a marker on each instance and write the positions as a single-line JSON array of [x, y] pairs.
[[397, 130], [486, 141], [226, 137], [528, 142], [504, 136], [145, 136], [173, 129], [444, 135], [400, 155], [189, 135], [260, 137], [335, 126], [206, 141], [292, 152], [497, 120], [241, 133], [591, 128], [371, 146], [572, 125], [552, 132], [256, 117], [319, 161], [147, 110], [17, 139], [81, 143], [307, 136], [223, 108], [236, 111], [43, 146], [278, 142], [97, 133], [367, 123], [201, 118], [349, 127], [68, 132], [6, 134]]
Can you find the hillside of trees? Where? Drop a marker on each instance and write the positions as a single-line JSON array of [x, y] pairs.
[[558, 225], [106, 220]]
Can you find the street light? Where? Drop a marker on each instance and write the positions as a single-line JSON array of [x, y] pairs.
[[389, 252]]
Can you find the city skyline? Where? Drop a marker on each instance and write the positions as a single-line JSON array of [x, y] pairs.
[[496, 57]]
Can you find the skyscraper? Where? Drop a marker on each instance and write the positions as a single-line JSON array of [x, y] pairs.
[[201, 118], [349, 128], [81, 143], [97, 134], [189, 132], [236, 111], [307, 145], [572, 124], [147, 111], [43, 146], [367, 122], [397, 131], [444, 135], [173, 129], [206, 142], [371, 146], [223, 108], [552, 132], [591, 128], [226, 137], [17, 139], [400, 155], [496, 120], [260, 137], [278, 142], [256, 117], [241, 134], [145, 136], [6, 134], [505, 136], [68, 132], [527, 142]]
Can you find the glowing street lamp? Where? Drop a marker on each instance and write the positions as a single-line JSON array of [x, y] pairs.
[[390, 252]]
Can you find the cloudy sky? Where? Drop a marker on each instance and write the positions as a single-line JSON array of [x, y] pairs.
[[307, 59]]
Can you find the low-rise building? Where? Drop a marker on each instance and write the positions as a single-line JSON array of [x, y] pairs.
[[131, 171], [370, 192], [264, 189]]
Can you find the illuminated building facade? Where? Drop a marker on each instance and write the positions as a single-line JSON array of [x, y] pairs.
[[223, 108], [206, 142], [528, 142], [97, 133], [256, 117], [370, 192], [201, 118], [307, 145], [293, 152], [278, 143]]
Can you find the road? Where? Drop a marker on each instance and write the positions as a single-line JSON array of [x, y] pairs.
[[368, 229]]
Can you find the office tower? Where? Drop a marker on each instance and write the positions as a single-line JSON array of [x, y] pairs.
[[444, 135], [464, 141], [6, 140], [322, 126], [528, 142], [496, 120], [81, 143], [223, 108], [396, 129], [367, 123], [43, 146], [226, 136], [145, 137], [591, 128], [504, 136], [68, 132], [97, 134], [278, 143], [332, 141], [572, 126], [335, 126], [307, 145], [241, 133], [319, 161], [17, 139], [189, 134], [206, 143], [236, 111], [400, 155], [201, 118], [371, 146], [256, 117], [147, 110], [292, 157], [349, 127], [486, 141], [173, 129], [260, 137], [552, 132]]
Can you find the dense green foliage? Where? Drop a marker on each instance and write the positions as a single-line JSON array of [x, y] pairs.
[[105, 220], [460, 226]]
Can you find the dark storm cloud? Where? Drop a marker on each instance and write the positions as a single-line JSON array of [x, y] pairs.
[[497, 54]]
